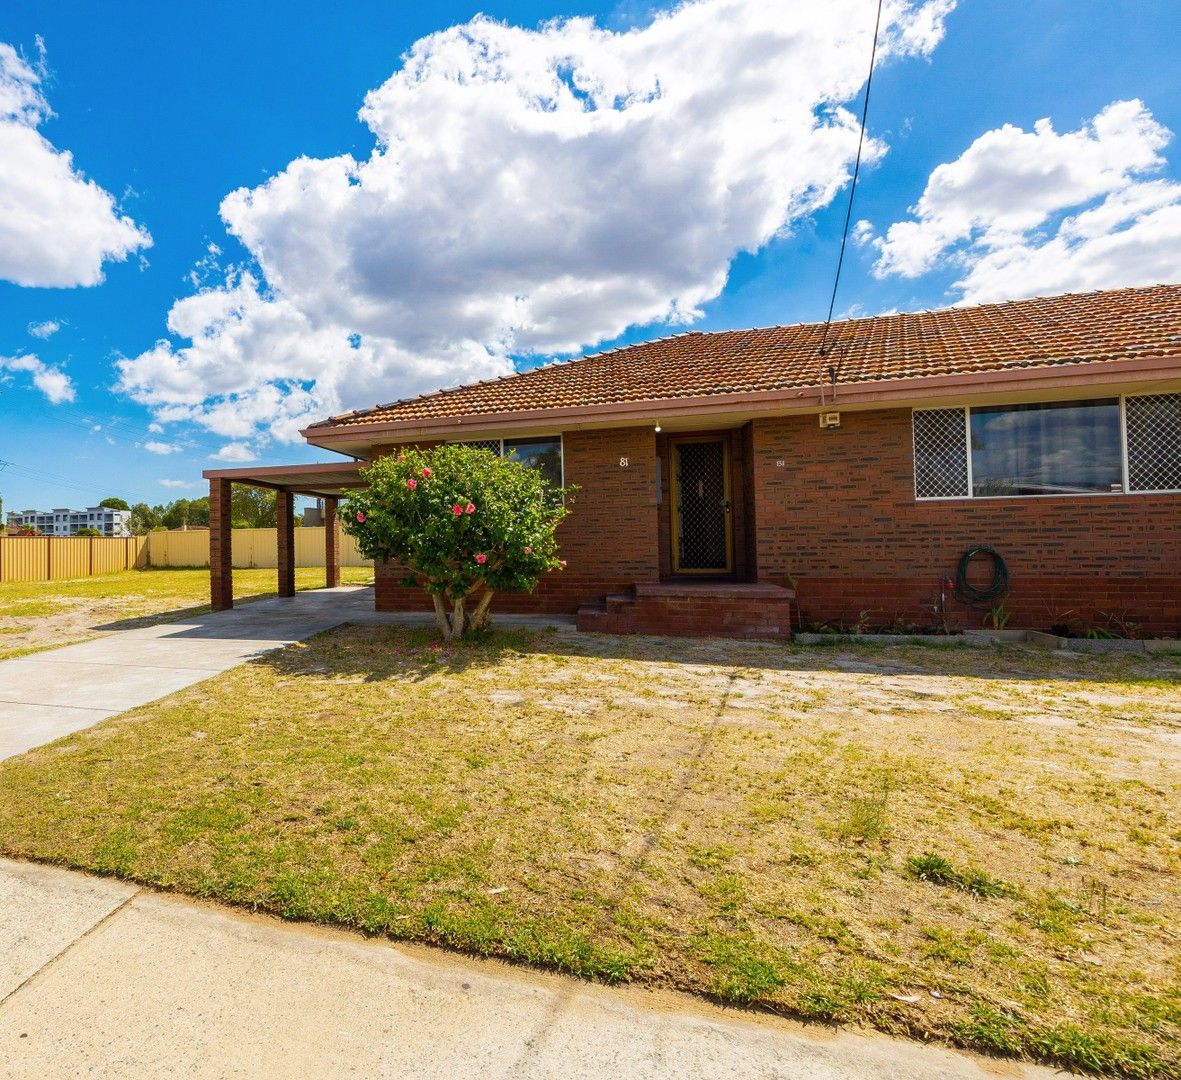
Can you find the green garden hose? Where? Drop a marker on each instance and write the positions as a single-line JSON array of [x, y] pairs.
[[967, 593]]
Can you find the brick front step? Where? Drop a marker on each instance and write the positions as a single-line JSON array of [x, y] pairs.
[[693, 609]]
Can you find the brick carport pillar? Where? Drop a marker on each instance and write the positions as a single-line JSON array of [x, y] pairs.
[[285, 521], [331, 545], [221, 547]]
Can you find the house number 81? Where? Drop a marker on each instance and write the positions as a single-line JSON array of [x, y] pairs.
[[623, 463]]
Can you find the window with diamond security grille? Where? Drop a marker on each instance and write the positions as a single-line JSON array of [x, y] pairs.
[[940, 454], [701, 506], [1154, 442]]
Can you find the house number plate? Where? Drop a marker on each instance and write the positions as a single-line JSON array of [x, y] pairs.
[[623, 463]]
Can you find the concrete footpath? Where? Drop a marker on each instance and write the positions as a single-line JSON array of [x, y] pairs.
[[101, 979], [50, 694]]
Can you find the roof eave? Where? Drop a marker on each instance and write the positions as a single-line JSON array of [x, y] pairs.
[[794, 399]]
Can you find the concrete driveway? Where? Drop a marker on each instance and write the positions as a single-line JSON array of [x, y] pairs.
[[50, 694], [100, 979]]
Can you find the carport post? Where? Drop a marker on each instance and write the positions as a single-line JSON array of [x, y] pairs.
[[331, 545], [285, 521], [221, 547]]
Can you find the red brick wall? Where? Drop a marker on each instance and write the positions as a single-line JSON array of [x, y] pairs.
[[841, 517], [609, 541], [221, 562]]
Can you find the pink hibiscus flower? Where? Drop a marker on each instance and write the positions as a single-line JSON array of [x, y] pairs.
[[563, 562], [528, 551], [457, 510], [470, 508], [360, 517], [426, 474], [481, 558], [412, 483]]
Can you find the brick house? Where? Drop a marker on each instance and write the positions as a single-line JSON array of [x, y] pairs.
[[845, 469]]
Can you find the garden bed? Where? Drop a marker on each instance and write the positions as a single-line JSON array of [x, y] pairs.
[[986, 638]]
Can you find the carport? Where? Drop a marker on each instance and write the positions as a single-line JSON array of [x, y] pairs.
[[328, 481]]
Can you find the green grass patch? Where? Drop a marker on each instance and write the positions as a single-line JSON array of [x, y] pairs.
[[937, 870], [816, 832], [67, 612]]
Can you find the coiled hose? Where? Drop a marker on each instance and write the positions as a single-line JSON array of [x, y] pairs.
[[967, 593]]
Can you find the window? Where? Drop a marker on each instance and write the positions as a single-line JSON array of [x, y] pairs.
[[940, 454], [543, 454], [1067, 448], [1153, 426], [1102, 446]]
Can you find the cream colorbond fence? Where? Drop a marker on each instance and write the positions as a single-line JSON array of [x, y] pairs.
[[55, 558], [252, 548]]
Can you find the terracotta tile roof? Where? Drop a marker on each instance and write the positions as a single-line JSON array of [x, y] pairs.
[[1082, 328]]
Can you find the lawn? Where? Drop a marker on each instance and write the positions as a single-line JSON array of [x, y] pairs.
[[979, 846], [46, 614]]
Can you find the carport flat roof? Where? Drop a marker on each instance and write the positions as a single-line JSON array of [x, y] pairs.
[[325, 480]]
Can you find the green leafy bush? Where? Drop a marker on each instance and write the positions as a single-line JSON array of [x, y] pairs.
[[463, 521]]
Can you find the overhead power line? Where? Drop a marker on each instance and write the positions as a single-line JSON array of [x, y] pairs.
[[873, 52], [62, 481]]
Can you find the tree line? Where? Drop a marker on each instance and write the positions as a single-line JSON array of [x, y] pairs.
[[250, 508]]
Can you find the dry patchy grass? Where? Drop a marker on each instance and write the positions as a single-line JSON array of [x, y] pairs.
[[977, 846], [36, 615]]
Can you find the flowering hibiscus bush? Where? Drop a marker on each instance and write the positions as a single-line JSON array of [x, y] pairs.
[[464, 522]]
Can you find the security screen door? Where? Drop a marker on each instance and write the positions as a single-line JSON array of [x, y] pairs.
[[701, 507]]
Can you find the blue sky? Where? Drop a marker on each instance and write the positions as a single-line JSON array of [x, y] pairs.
[[685, 169]]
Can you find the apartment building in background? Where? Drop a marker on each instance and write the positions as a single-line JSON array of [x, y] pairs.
[[65, 522]]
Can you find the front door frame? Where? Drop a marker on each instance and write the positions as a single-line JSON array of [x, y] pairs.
[[674, 441]]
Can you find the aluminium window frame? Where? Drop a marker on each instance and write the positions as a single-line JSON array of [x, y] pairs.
[[522, 438], [1125, 489]]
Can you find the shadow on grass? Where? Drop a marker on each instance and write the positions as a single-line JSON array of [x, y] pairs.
[[379, 653]]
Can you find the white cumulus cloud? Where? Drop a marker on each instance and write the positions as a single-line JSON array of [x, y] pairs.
[[531, 192], [234, 451], [44, 329], [56, 227], [1023, 213], [54, 383], [154, 447]]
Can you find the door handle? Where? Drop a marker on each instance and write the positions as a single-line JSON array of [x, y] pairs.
[[726, 505]]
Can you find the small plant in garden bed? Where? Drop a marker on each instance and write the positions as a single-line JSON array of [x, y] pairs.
[[998, 616], [1115, 625], [465, 522]]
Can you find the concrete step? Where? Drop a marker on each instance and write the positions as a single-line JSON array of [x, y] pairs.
[[592, 618]]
